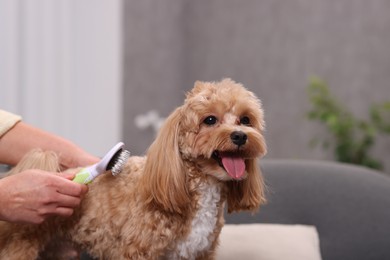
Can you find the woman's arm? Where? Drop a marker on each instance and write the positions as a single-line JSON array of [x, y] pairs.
[[31, 196], [22, 138]]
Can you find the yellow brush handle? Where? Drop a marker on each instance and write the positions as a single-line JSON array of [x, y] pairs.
[[84, 176]]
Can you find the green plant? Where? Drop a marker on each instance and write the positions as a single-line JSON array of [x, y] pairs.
[[352, 138]]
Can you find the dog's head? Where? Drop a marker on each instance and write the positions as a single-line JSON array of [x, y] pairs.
[[220, 129]]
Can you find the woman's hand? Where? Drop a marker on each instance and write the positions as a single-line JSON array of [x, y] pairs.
[[32, 196]]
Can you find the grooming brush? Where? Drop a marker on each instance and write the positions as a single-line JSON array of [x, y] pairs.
[[113, 161]]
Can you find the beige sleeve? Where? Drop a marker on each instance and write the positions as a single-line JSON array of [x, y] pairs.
[[7, 121]]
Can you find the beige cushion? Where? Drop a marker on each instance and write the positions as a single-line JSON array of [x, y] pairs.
[[269, 242]]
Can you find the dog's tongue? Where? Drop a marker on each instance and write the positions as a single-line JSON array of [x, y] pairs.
[[235, 166]]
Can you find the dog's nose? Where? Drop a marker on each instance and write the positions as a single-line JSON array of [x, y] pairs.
[[238, 137]]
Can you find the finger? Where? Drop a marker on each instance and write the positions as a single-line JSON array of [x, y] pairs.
[[68, 201], [84, 189], [69, 174], [71, 188], [64, 211]]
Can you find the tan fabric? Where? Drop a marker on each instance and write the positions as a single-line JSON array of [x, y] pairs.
[[7, 121], [269, 242]]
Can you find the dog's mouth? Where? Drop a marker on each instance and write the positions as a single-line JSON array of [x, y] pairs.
[[231, 162]]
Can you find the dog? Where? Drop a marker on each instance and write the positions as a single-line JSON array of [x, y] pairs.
[[170, 203]]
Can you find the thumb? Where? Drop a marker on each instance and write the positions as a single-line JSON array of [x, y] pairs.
[[69, 174]]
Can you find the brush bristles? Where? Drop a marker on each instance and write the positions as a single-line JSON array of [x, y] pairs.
[[120, 162]]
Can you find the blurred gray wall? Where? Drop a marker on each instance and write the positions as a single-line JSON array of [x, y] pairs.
[[272, 47]]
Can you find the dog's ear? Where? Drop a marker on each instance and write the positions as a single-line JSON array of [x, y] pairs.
[[247, 194], [164, 182]]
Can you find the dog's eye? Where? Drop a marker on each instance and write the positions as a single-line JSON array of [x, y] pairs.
[[210, 120], [245, 120]]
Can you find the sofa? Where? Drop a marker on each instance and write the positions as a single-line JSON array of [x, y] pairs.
[[344, 210], [315, 210]]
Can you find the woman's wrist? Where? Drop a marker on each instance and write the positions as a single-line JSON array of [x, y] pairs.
[[22, 138], [78, 158]]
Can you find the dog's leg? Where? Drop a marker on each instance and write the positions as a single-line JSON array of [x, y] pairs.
[[60, 248]]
